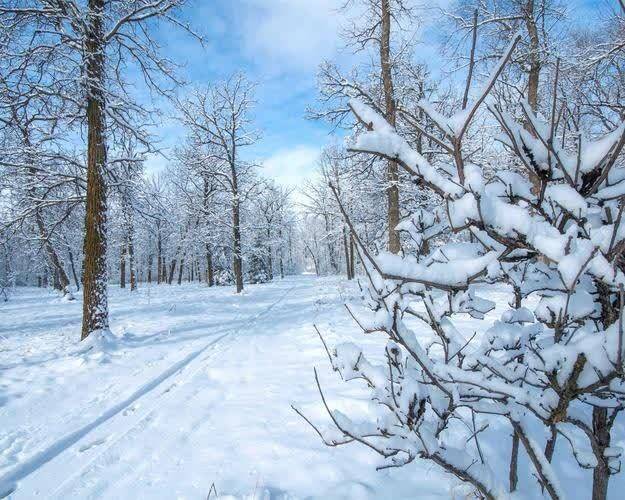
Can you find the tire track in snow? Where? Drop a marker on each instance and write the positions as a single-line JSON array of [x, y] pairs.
[[9, 482]]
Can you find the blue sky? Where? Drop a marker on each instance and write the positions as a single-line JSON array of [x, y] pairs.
[[279, 44]]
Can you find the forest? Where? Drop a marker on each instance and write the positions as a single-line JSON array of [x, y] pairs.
[[283, 249]]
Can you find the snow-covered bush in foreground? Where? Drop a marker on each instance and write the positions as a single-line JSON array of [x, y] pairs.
[[553, 373]]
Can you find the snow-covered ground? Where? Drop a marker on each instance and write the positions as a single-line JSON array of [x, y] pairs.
[[194, 390]]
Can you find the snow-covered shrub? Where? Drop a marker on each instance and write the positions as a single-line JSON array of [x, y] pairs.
[[549, 371], [224, 277]]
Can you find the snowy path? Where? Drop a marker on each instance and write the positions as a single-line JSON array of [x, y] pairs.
[[196, 390]]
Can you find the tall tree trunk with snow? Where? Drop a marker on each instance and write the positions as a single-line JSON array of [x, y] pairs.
[[237, 261], [392, 190], [95, 300]]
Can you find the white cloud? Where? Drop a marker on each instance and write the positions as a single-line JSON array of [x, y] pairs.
[[296, 34], [292, 166]]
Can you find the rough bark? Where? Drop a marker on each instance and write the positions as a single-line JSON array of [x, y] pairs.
[[535, 63], [392, 190], [601, 473], [95, 305]]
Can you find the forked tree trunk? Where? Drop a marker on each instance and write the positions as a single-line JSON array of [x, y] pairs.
[[95, 301], [392, 190]]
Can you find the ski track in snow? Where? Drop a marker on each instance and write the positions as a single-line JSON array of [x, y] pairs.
[[7, 482]]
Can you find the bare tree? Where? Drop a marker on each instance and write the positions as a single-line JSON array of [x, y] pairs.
[[219, 119], [94, 41]]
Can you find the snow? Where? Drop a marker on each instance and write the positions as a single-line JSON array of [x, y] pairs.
[[194, 387]]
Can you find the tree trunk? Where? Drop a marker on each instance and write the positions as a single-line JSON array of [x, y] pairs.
[[150, 263], [122, 267], [535, 64], [348, 267], [62, 281], [73, 267], [392, 190], [172, 268], [210, 276], [281, 253], [269, 254], [181, 270], [95, 303], [131, 262], [237, 261], [514, 462], [601, 473], [159, 259], [352, 267], [330, 246]]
